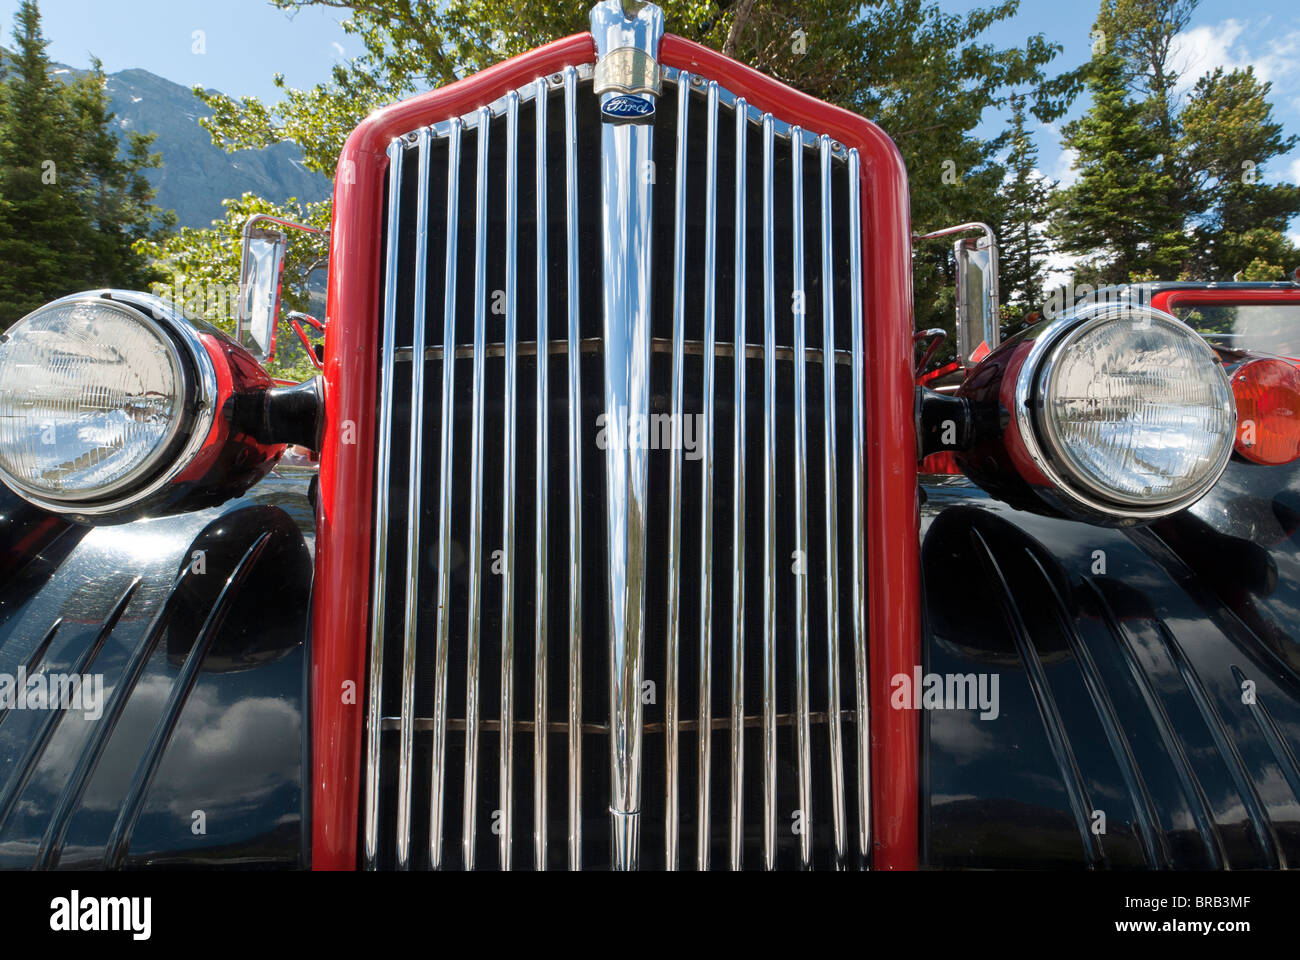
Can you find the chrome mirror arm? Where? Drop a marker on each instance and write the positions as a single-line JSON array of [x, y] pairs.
[[979, 315], [259, 290]]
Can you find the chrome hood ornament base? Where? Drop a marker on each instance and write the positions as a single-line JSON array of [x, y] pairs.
[[627, 47]]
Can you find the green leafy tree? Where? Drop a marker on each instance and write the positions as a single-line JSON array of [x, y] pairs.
[[202, 270], [1228, 136], [73, 204], [925, 76]]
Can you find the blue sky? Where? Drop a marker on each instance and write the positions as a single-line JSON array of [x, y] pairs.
[[245, 41]]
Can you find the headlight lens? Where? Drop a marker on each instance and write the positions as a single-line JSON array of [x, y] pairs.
[[91, 394], [1137, 409]]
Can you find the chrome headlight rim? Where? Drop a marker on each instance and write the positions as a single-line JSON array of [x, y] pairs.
[[1075, 489], [198, 379]]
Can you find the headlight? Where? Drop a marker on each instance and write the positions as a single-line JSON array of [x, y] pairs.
[[101, 404], [90, 395], [1126, 411]]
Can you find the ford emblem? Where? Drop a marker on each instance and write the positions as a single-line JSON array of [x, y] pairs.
[[628, 108]]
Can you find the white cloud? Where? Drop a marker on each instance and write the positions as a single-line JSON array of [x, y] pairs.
[[1232, 44], [338, 47], [1065, 173], [1201, 49]]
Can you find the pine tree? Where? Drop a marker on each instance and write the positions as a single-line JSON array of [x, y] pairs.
[[1025, 199], [116, 197], [1118, 211], [1228, 136], [42, 219], [74, 204]]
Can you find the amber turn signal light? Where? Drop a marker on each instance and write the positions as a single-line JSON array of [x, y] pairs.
[[1268, 411]]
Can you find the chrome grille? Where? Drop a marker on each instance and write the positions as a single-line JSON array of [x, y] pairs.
[[483, 540]]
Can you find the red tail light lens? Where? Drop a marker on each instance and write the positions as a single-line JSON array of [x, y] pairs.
[[1268, 411]]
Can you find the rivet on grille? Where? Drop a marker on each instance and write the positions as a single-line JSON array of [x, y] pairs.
[[697, 81], [837, 147]]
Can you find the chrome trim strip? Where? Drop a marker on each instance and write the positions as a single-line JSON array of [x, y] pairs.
[[803, 735], [543, 468], [595, 728], [861, 664], [506, 755], [706, 485], [406, 746], [672, 641], [384, 455], [118, 845], [693, 348], [769, 504], [575, 471], [446, 438], [738, 515], [470, 807], [832, 511], [627, 157]]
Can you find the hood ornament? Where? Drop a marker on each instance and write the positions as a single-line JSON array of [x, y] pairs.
[[627, 76], [627, 43]]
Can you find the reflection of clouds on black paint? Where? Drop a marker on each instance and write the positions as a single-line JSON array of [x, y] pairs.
[[263, 732], [963, 737]]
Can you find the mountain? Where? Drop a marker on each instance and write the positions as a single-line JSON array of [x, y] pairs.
[[196, 175]]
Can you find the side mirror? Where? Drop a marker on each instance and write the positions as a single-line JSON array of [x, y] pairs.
[[979, 327], [261, 271], [979, 313]]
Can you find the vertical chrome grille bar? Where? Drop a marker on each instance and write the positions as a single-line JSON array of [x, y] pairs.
[[769, 502], [706, 493], [738, 516], [540, 89], [439, 772], [506, 757], [832, 517], [858, 506], [803, 718], [575, 471], [374, 704], [470, 808], [673, 639], [412, 611]]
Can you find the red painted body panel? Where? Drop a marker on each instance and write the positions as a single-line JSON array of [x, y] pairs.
[[1168, 299], [230, 458], [347, 462]]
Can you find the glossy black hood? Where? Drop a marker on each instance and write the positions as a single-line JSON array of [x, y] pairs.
[[1149, 702], [194, 752]]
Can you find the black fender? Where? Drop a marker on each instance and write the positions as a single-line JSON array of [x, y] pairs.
[[1148, 709], [197, 627]]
